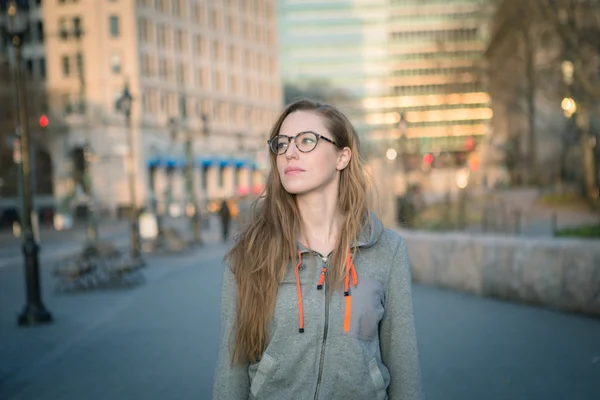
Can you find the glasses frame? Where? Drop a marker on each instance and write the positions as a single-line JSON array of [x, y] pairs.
[[290, 138]]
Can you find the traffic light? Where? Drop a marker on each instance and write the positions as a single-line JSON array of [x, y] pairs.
[[44, 121], [469, 143], [428, 159]]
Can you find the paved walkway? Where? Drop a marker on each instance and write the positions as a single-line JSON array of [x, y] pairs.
[[159, 341], [55, 244]]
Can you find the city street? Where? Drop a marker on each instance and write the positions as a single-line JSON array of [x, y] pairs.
[[159, 340]]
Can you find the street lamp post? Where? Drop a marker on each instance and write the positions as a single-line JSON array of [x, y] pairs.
[[34, 312], [88, 183], [191, 203], [403, 125], [124, 104]]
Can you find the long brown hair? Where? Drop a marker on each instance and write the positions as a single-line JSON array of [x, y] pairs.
[[262, 251]]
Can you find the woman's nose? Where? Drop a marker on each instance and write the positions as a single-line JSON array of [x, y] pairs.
[[292, 151]]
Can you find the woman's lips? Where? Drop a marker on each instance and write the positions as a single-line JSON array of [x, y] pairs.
[[293, 170]]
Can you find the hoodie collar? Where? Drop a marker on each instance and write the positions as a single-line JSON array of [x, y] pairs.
[[367, 237]]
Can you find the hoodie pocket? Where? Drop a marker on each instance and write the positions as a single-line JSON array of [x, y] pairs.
[[378, 380], [367, 309], [265, 369]]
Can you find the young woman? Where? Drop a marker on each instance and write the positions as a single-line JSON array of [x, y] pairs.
[[316, 299]]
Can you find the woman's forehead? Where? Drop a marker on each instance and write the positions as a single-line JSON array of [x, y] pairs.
[[302, 121]]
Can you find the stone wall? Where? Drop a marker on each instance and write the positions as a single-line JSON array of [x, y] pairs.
[[563, 274]]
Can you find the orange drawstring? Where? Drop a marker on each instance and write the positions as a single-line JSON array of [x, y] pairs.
[[300, 310], [350, 272]]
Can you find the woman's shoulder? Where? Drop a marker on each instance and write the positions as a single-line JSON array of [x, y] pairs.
[[391, 240]]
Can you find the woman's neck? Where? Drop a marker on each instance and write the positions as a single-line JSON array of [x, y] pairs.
[[320, 222]]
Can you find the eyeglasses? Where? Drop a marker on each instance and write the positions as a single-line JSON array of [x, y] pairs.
[[305, 142]]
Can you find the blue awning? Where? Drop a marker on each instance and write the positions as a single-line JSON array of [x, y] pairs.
[[219, 162]]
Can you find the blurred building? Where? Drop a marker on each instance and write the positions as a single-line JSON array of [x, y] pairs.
[[202, 67], [422, 60], [334, 51]]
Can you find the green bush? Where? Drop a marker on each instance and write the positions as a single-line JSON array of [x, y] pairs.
[[586, 231]]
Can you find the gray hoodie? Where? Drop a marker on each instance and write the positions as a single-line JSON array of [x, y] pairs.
[[362, 348]]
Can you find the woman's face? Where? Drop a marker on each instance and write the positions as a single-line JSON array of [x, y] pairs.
[[305, 172]]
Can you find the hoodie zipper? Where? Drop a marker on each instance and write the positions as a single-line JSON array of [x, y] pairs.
[[326, 327]]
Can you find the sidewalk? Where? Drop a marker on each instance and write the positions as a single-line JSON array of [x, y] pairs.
[[57, 244], [96, 334]]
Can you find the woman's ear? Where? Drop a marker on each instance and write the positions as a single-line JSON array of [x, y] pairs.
[[343, 158]]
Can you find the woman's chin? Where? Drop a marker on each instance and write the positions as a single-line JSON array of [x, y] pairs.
[[295, 188]]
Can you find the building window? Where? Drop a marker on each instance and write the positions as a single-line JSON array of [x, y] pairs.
[[199, 45], [163, 69], [115, 63], [79, 63], [66, 68], [146, 30], [162, 36], [147, 65], [234, 84], [77, 27], [198, 13], [217, 50], [216, 19], [29, 66], [40, 31], [161, 5], [42, 67], [232, 52], [181, 74], [220, 174], [179, 8], [67, 104], [180, 40], [200, 77], [114, 26], [232, 25], [63, 28]]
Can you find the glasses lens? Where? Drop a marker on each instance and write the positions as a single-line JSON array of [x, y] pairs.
[[306, 141], [279, 144]]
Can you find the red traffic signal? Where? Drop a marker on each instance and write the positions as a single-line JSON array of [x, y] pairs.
[[469, 143], [428, 158], [44, 121]]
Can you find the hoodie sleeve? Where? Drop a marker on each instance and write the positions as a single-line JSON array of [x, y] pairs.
[[397, 335], [230, 382]]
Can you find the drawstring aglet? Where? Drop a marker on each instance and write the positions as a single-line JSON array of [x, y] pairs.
[[321, 278]]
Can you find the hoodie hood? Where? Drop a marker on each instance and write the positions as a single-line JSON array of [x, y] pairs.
[[371, 231]]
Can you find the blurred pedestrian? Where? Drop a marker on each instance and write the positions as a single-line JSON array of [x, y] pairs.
[[316, 299], [225, 215]]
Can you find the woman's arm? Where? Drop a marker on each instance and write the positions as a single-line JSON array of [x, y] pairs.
[[230, 382], [397, 333]]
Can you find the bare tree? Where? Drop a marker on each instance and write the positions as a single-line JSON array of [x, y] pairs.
[[525, 56], [577, 23]]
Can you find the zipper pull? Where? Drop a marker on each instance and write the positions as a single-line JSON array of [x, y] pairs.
[[322, 278]]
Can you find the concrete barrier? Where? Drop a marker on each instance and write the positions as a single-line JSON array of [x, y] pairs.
[[563, 274]]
